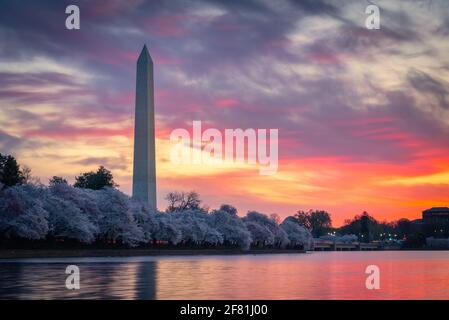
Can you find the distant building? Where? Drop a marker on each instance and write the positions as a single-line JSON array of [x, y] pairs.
[[439, 215], [436, 222]]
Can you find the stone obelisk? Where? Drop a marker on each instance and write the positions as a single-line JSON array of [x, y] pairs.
[[144, 171]]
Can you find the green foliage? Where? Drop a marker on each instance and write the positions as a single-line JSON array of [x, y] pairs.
[[319, 222], [95, 180], [229, 209], [365, 226], [10, 173], [366, 223], [403, 228], [56, 180]]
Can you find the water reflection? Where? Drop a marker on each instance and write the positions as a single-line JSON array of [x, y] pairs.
[[105, 280], [321, 275]]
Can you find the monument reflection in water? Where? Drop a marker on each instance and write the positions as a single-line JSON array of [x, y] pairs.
[[99, 280]]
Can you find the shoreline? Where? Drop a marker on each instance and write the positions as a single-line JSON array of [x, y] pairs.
[[83, 253], [7, 254]]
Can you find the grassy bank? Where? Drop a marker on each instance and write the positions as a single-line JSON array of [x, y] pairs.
[[62, 253]]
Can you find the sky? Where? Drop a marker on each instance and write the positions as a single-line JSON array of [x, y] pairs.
[[363, 115]]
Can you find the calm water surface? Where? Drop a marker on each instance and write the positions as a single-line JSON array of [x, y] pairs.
[[317, 275]]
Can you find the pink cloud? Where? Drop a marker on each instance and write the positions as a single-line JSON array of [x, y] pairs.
[[366, 120], [226, 103], [167, 25], [71, 132], [109, 7], [326, 58]]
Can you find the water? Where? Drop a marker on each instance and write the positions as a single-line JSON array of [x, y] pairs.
[[317, 275]]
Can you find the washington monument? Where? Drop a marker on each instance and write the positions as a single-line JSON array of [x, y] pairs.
[[144, 171]]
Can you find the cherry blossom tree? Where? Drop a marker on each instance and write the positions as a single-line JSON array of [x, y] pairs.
[[232, 228], [66, 220], [117, 222], [22, 214], [297, 234], [166, 229]]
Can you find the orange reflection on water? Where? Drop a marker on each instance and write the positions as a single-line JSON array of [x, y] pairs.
[[318, 275]]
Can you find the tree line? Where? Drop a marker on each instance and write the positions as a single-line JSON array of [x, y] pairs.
[[94, 211], [365, 228]]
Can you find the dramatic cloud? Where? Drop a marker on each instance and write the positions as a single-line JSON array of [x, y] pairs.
[[363, 115]]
